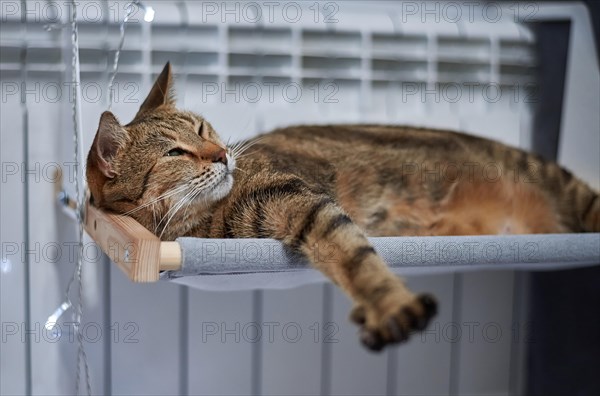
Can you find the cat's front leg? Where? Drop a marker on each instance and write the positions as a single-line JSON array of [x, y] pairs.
[[315, 225], [384, 308]]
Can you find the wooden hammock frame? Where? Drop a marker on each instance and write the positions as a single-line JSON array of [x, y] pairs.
[[140, 254], [136, 251]]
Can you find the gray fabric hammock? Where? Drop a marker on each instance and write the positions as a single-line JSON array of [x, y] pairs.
[[242, 264]]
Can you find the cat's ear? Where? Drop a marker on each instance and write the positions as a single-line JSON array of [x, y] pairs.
[[111, 136], [161, 92]]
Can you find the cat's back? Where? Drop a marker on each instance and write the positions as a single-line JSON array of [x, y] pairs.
[[357, 145]]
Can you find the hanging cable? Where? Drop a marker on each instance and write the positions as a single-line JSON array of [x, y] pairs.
[[80, 196], [80, 187], [79, 191], [130, 8]]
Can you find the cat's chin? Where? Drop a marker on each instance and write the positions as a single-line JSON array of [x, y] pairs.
[[214, 194], [220, 190], [224, 186]]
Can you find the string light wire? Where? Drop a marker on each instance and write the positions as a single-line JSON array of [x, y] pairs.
[[80, 187], [130, 9]]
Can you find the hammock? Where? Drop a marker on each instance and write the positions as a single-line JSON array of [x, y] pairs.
[[242, 264]]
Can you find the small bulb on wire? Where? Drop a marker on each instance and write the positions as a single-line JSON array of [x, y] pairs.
[[52, 319], [5, 265], [149, 15]]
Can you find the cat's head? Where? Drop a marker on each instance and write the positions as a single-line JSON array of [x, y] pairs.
[[165, 161]]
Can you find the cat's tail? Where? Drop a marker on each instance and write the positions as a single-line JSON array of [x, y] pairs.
[[585, 204], [589, 212], [578, 204]]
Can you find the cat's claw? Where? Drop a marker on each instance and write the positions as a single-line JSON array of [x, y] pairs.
[[397, 328], [429, 307], [371, 339]]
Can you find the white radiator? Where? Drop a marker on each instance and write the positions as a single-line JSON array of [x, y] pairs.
[[250, 67]]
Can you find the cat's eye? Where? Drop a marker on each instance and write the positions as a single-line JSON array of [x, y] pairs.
[[203, 132], [175, 153]]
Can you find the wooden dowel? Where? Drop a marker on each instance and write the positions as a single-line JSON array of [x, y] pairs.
[[170, 256]]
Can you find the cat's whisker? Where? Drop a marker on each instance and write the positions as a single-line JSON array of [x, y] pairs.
[[242, 145], [187, 206], [161, 197], [176, 207], [251, 143], [171, 209], [235, 148], [165, 195], [239, 150], [157, 199], [238, 144], [153, 215], [242, 156], [162, 218], [195, 190], [246, 144]]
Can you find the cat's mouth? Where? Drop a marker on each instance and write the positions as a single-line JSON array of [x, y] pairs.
[[220, 184]]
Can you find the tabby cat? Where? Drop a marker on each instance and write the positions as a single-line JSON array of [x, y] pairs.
[[315, 186]]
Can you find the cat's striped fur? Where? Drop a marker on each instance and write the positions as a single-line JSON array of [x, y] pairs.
[[322, 189]]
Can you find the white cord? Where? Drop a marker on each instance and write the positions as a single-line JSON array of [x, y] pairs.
[[79, 188], [129, 10]]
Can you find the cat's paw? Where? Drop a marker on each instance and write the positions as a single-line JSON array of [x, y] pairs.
[[379, 330], [358, 315]]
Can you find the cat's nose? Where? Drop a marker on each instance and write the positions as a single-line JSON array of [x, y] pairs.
[[220, 156]]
